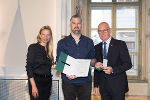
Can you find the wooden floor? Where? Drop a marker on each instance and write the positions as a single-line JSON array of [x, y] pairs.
[[127, 98]]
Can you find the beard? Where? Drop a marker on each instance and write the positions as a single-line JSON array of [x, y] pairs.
[[76, 31]]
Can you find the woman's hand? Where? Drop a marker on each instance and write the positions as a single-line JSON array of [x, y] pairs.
[[35, 92], [34, 88]]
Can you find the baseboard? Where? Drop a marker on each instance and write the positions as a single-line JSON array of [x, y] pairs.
[[141, 89]]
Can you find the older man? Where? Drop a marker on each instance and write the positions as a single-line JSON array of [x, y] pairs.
[[113, 61]]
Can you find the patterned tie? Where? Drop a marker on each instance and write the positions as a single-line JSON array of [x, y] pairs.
[[104, 51]]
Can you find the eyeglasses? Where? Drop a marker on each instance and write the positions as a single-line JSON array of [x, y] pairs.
[[105, 30]]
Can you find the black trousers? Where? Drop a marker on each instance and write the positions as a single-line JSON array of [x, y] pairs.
[[107, 93], [71, 91], [44, 85]]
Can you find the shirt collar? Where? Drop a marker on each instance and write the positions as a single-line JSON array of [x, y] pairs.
[[81, 37], [108, 41]]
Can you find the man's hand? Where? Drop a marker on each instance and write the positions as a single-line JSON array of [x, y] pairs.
[[108, 70], [98, 65], [96, 91], [71, 77]]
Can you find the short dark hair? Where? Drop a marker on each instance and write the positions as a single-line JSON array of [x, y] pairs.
[[76, 16]]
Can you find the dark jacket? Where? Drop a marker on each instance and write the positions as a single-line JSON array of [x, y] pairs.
[[119, 59]]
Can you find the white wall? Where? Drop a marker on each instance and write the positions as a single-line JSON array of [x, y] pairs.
[[20, 21]]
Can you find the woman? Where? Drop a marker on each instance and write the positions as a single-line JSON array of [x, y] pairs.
[[38, 67]]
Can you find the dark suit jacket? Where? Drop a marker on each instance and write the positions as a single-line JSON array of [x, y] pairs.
[[119, 59]]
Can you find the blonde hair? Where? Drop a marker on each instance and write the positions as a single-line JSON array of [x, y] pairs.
[[49, 45]]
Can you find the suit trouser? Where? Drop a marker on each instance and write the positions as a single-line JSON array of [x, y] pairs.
[[44, 85], [82, 91], [108, 93]]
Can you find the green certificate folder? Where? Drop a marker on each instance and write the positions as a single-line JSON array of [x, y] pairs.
[[71, 66], [61, 62]]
